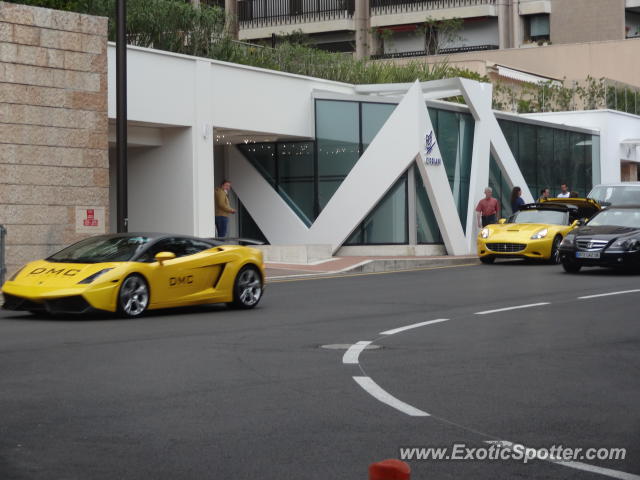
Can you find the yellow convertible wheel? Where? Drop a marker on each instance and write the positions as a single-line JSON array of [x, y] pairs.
[[133, 298], [247, 288], [555, 251]]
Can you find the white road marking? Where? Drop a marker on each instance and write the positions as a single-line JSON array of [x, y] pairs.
[[415, 325], [351, 355], [607, 294], [373, 389], [607, 472], [512, 308]]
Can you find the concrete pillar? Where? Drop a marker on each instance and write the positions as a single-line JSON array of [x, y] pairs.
[[503, 25], [231, 13], [516, 24], [362, 23]]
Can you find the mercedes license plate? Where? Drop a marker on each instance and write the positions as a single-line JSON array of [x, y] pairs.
[[587, 254]]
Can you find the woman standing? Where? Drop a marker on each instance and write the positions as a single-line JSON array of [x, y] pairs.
[[516, 199]]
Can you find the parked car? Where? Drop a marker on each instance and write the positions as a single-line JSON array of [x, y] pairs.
[[535, 232], [610, 239], [129, 273], [613, 194]]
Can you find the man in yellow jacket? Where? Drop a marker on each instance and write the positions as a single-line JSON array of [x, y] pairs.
[[223, 208]]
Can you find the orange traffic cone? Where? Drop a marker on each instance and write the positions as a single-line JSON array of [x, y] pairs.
[[390, 469]]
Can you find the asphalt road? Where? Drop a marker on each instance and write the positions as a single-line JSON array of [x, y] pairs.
[[209, 393]]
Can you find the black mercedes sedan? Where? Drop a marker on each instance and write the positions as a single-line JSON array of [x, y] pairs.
[[611, 238]]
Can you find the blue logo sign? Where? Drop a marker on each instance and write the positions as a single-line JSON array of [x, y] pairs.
[[430, 143]]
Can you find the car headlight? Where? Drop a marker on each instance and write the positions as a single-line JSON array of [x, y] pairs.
[[633, 244], [629, 244], [13, 277], [540, 234], [485, 232], [568, 241], [91, 278]]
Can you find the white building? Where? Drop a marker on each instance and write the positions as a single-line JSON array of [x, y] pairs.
[[315, 162]]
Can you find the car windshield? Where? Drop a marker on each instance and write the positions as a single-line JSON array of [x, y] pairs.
[[616, 195], [552, 217], [628, 217], [101, 249]]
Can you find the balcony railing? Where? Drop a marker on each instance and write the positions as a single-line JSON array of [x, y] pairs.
[[385, 7], [443, 51], [264, 13]]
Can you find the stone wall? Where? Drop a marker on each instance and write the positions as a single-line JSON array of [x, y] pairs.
[[575, 21], [53, 127]]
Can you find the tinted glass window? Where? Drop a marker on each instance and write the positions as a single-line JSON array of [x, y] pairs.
[[616, 195], [101, 249], [620, 218], [550, 217], [180, 247]]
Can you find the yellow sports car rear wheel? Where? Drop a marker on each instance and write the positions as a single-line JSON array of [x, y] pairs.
[[133, 298], [247, 287]]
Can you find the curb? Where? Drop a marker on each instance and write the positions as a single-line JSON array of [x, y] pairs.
[[391, 265], [385, 265]]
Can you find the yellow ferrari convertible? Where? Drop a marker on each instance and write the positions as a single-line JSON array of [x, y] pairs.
[[535, 232], [130, 273]]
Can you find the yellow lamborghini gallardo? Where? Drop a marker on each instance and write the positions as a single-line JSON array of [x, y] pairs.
[[130, 273], [535, 232]]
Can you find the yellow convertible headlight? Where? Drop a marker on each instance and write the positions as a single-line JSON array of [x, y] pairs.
[[485, 232], [540, 234]]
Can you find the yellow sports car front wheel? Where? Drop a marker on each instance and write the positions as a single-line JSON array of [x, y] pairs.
[[133, 298]]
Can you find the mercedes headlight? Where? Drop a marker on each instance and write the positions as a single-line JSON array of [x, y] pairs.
[[540, 234], [568, 241], [629, 244], [485, 232], [91, 278]]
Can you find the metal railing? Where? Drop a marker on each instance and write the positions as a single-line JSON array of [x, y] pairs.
[[263, 13], [443, 51], [3, 266], [384, 7]]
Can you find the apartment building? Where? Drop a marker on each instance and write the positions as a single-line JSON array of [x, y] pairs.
[[396, 28]]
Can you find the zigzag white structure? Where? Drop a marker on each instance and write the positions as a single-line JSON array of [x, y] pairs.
[[399, 144]]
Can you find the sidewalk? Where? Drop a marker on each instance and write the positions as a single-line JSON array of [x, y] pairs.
[[345, 265]]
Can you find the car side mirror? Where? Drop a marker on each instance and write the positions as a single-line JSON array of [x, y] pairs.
[[502, 220], [164, 256]]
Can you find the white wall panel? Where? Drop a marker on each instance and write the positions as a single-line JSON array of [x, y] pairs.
[[160, 87], [161, 185]]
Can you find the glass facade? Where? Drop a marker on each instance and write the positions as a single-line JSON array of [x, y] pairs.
[[454, 132], [337, 143], [387, 224], [547, 157], [307, 174]]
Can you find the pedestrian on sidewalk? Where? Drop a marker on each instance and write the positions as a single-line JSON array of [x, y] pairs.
[[223, 208], [488, 209], [516, 199], [544, 194], [564, 191]]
